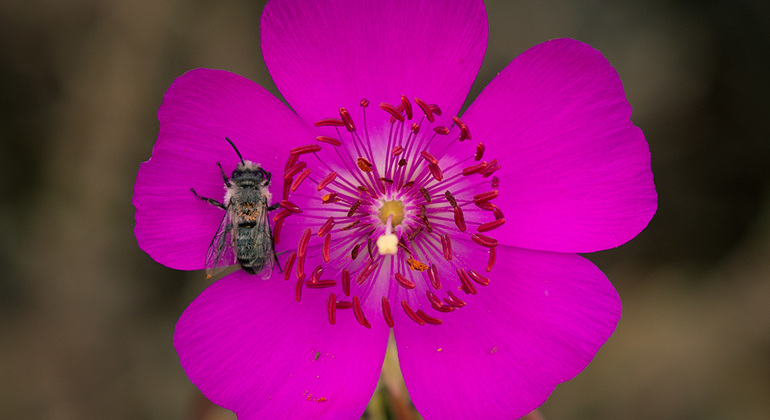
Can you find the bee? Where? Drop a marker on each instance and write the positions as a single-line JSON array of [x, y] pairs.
[[244, 236]]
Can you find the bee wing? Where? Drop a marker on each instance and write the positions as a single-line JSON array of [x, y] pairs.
[[265, 245], [221, 252]]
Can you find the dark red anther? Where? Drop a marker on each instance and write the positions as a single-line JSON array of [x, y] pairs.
[[465, 133], [435, 281], [404, 282], [495, 182], [411, 314], [329, 140], [492, 258], [326, 181], [331, 307], [298, 289], [479, 151], [326, 250], [347, 120], [386, 180], [288, 205], [281, 215], [326, 227], [408, 185], [407, 106], [427, 318], [321, 284], [486, 227], [329, 122], [316, 274], [364, 103], [435, 109], [351, 225], [450, 198], [353, 208], [485, 205], [434, 300], [346, 281], [492, 166], [344, 304], [478, 278], [360, 317], [486, 196], [301, 177], [413, 234], [444, 247], [474, 169], [290, 162], [484, 240], [289, 264], [308, 148], [415, 128], [397, 150], [354, 253], [459, 219], [441, 130], [286, 186], [362, 272], [392, 110], [302, 247], [386, 313], [369, 247], [425, 194], [454, 300], [277, 231], [425, 109], [402, 162], [301, 267], [443, 308], [435, 170], [429, 157], [448, 251], [467, 285], [294, 170], [498, 213], [364, 164], [329, 198]]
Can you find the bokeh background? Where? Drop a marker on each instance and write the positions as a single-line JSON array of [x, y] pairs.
[[86, 318]]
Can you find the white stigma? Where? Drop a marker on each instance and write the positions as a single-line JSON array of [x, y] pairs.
[[387, 244]]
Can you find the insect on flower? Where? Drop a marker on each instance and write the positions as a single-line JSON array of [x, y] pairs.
[[244, 230]]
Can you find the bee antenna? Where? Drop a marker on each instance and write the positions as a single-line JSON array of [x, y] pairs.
[[236, 149]]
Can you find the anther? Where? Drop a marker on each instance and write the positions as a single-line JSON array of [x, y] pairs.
[[343, 304], [286, 186], [362, 272], [447, 256], [459, 219], [326, 248], [416, 265], [479, 151], [364, 103], [485, 205], [498, 213], [407, 106], [415, 128], [308, 148], [329, 198], [411, 314], [277, 231], [404, 282], [486, 196], [329, 122], [467, 285], [347, 120], [298, 289], [294, 170], [346, 281], [474, 169], [441, 130], [425, 109], [289, 265], [434, 300], [386, 180], [331, 305], [448, 249], [360, 317], [402, 162], [435, 170], [326, 227], [329, 140], [435, 109], [302, 247], [429, 157], [491, 168], [425, 194], [450, 198], [392, 110], [433, 276], [429, 319], [351, 225], [495, 182], [386, 313], [478, 278], [304, 174], [454, 300], [364, 164], [492, 258], [354, 252], [282, 215], [397, 150], [484, 240], [353, 208], [316, 274], [321, 284], [486, 227], [288, 205], [290, 162]]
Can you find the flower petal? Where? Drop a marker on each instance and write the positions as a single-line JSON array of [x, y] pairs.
[[251, 348], [575, 171], [324, 55], [199, 110], [538, 323]]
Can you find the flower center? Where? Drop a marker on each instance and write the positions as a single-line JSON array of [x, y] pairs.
[[386, 214]]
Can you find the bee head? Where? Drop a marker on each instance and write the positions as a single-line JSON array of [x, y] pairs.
[[248, 170]]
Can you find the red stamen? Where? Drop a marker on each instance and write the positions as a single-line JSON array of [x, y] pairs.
[[347, 120], [364, 164], [484, 205], [492, 258], [478, 278], [288, 205], [392, 110], [360, 317], [329, 198], [404, 282], [484, 240], [316, 274], [294, 170], [277, 231], [362, 273], [321, 284], [448, 251], [290, 162], [326, 227], [455, 301], [429, 319], [465, 133], [479, 151], [444, 248], [397, 150], [489, 195], [429, 157], [443, 308], [460, 219], [434, 300], [308, 148], [331, 305], [386, 312], [302, 247], [407, 106], [435, 109], [326, 248], [425, 109], [301, 267], [491, 168], [441, 130], [351, 225], [402, 162], [354, 253], [468, 286], [344, 305], [289, 265], [450, 198], [353, 208], [425, 194], [435, 281], [495, 182], [408, 185], [486, 227], [329, 140], [329, 122], [300, 178], [415, 128], [473, 169], [498, 213], [436, 172], [386, 180], [411, 314], [346, 281], [281, 215], [286, 186], [298, 289]]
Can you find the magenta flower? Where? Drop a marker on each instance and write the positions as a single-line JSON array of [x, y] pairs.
[[460, 234]]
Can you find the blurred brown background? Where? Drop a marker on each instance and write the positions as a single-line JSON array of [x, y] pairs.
[[86, 318]]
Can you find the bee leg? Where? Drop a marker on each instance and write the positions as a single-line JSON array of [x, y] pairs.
[[273, 206], [224, 176], [275, 256], [210, 200]]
